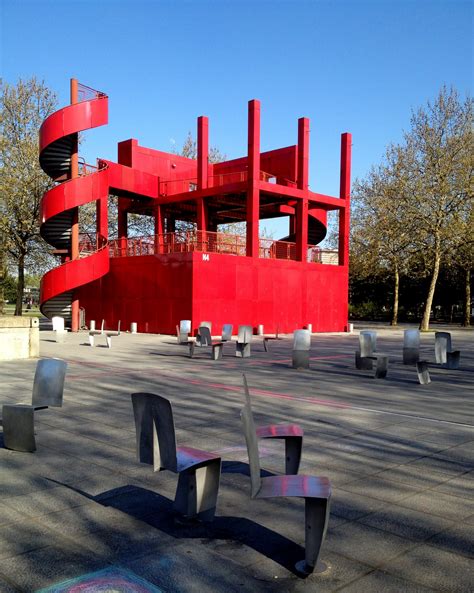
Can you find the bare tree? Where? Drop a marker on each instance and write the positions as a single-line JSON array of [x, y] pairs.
[[439, 147], [24, 106], [382, 233]]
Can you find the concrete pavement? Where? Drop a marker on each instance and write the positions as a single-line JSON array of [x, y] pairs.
[[399, 456]]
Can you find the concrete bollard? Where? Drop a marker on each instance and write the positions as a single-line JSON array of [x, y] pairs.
[[133, 327], [260, 330], [92, 325], [309, 327]]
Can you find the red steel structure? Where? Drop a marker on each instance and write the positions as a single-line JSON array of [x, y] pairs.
[[199, 273]]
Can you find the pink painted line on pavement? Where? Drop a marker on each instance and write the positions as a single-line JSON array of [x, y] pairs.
[[221, 386]]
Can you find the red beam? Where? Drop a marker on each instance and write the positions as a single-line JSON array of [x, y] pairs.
[[202, 151]]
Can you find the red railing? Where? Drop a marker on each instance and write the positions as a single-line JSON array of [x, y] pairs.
[[86, 93], [181, 186], [210, 242]]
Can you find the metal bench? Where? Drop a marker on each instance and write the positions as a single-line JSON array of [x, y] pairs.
[[227, 329], [199, 471], [315, 490], [301, 347], [244, 339], [18, 419], [444, 354], [411, 346], [269, 338], [205, 340], [366, 355], [183, 331], [207, 324], [96, 332], [110, 334]]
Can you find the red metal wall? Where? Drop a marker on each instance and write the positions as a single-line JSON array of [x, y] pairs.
[[161, 290], [154, 291]]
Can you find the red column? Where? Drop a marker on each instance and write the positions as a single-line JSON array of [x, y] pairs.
[[253, 191], [122, 226], [102, 222], [345, 194], [302, 183], [159, 228], [202, 222], [75, 219], [202, 170], [202, 151]]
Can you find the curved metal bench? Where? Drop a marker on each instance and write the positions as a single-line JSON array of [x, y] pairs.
[[18, 419], [199, 471], [316, 492]]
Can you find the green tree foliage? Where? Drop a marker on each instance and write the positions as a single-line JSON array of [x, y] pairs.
[[23, 107]]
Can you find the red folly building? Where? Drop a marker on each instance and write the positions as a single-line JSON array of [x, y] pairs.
[[199, 273]]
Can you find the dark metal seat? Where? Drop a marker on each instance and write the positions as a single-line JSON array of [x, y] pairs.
[[18, 419], [205, 340], [315, 490], [199, 471]]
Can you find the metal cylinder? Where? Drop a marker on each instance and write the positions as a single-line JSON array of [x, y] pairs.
[[92, 324], [133, 327], [260, 330]]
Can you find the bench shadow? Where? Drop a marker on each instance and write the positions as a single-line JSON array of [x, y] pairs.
[[157, 511]]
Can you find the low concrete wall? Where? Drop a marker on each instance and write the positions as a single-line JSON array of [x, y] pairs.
[[19, 337]]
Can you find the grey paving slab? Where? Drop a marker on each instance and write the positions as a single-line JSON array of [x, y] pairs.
[[442, 505], [462, 486], [381, 488], [378, 581], [458, 539], [432, 567], [366, 544], [406, 523], [47, 566]]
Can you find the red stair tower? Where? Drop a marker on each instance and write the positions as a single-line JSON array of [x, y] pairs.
[[197, 273]]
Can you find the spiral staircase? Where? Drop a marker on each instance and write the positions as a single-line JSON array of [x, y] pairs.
[[58, 139]]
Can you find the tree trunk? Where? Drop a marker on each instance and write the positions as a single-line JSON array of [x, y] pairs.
[[425, 322], [395, 297], [467, 300], [21, 285]]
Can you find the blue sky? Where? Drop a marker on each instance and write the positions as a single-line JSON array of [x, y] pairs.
[[355, 66]]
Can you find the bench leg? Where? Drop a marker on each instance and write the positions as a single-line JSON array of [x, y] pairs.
[[19, 428], [91, 340], [242, 350], [197, 490], [452, 359], [217, 351], [108, 341], [191, 349], [316, 524], [363, 363], [293, 448], [300, 359], [411, 355], [381, 367], [265, 345], [423, 372]]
